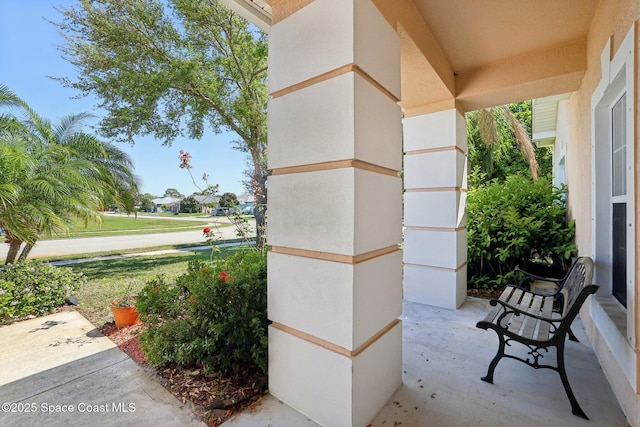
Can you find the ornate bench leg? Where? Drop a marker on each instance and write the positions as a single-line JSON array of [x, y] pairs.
[[572, 337], [575, 407], [492, 366]]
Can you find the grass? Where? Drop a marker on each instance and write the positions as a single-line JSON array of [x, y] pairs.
[[117, 225], [109, 279], [131, 251]]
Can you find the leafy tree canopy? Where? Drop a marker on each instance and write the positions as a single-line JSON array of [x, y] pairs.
[[189, 205], [228, 200], [170, 68], [172, 192]]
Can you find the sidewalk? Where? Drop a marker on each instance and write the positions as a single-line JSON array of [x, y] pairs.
[[58, 370]]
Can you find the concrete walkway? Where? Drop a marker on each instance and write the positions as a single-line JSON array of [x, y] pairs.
[[58, 370]]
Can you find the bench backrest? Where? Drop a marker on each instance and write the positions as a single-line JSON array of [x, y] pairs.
[[576, 290], [579, 276]]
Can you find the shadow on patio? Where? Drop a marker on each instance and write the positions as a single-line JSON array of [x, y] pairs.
[[444, 356]]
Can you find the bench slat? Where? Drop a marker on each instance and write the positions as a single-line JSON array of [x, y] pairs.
[[547, 308], [495, 310], [516, 321], [513, 301], [530, 323]]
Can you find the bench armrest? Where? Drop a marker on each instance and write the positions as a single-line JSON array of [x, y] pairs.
[[528, 275]]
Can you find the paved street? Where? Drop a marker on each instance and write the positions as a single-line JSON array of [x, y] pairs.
[[83, 245]]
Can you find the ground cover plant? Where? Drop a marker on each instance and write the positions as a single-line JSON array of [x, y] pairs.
[[35, 289]]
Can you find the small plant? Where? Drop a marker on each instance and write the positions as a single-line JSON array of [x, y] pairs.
[[33, 288], [127, 300]]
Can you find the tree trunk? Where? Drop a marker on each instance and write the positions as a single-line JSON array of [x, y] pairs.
[[14, 247], [259, 210], [25, 252]]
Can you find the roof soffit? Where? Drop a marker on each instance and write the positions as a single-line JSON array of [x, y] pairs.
[[491, 52]]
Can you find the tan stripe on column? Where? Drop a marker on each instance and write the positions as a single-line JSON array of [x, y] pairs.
[[420, 110], [426, 228], [460, 189], [375, 83], [458, 268], [327, 345], [348, 68], [333, 257], [335, 164], [435, 150]]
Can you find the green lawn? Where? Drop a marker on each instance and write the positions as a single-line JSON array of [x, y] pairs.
[[109, 279], [114, 225]]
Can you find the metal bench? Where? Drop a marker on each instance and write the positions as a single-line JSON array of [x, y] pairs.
[[524, 317], [529, 281]]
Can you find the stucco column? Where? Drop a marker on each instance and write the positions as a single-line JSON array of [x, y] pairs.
[[435, 181], [335, 212]]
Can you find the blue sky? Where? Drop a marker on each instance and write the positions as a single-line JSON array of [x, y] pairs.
[[28, 55]]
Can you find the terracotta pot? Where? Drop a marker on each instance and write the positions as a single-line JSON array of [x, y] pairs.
[[124, 316]]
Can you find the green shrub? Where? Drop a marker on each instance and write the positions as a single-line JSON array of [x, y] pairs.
[[215, 315], [513, 224], [34, 288]]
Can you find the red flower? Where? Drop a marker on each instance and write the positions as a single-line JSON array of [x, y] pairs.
[[204, 270], [192, 300], [185, 158], [225, 276], [206, 230]]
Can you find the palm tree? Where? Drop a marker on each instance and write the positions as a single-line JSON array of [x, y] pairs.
[[493, 126], [14, 162], [68, 174]]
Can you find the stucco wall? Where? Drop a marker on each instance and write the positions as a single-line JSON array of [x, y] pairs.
[[612, 19]]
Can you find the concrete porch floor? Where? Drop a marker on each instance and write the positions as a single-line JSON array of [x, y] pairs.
[[444, 356]]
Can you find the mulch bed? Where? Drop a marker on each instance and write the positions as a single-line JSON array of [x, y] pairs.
[[485, 293], [212, 396]]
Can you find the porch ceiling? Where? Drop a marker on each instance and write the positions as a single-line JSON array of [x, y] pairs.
[[474, 54], [497, 51], [475, 34]]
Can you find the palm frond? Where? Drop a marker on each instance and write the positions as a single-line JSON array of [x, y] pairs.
[[524, 142], [8, 98], [487, 127]]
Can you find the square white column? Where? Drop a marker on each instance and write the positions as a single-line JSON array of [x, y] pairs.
[[335, 212], [435, 181]]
